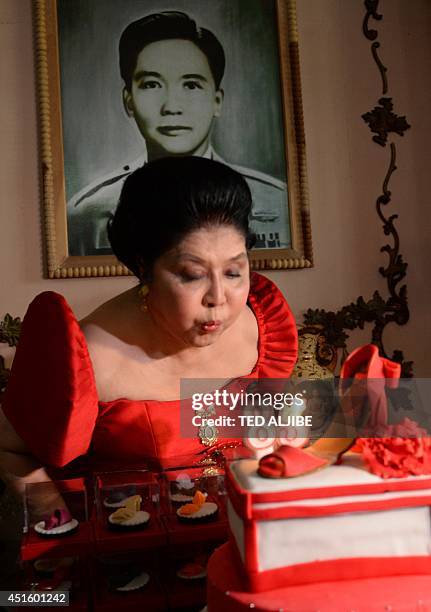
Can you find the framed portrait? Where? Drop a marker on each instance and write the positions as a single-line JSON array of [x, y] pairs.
[[121, 83]]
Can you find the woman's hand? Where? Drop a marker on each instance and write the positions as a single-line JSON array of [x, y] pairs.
[[42, 500], [19, 468]]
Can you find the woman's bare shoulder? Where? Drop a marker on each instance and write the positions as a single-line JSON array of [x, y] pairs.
[[113, 317], [107, 331]]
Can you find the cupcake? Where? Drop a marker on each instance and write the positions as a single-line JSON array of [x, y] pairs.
[[198, 511], [57, 524], [130, 516]]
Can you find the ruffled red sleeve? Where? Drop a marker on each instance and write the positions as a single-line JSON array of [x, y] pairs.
[[278, 335], [51, 397]]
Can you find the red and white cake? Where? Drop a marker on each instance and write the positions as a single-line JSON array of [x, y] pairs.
[[341, 525]]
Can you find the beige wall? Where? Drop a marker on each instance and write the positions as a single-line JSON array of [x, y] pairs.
[[340, 82]]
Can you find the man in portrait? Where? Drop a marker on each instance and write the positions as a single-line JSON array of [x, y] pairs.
[[172, 72]]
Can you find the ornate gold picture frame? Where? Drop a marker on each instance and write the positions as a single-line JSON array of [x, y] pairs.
[[87, 140]]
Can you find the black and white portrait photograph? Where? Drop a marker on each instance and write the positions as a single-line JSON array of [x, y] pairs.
[[124, 83], [141, 79]]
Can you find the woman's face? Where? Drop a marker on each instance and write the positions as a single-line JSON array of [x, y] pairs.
[[200, 287]]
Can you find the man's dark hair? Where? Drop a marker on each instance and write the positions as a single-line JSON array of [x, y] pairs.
[[168, 25], [167, 199]]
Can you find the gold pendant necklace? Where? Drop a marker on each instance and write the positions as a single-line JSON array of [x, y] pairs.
[[208, 433]]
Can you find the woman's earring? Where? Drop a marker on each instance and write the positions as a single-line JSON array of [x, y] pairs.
[[143, 292]]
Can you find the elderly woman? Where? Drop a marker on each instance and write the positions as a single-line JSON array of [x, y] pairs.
[[109, 386]]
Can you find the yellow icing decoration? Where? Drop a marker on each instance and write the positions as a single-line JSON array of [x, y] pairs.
[[121, 515], [132, 505]]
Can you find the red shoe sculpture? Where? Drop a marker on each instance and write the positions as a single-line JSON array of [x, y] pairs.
[[362, 390]]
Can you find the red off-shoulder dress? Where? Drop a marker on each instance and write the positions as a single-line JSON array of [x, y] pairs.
[[51, 398]]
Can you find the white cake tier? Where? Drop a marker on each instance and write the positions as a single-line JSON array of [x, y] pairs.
[[341, 512], [351, 472]]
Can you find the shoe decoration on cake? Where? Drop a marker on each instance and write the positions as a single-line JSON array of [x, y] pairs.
[[53, 574], [117, 498], [129, 516], [47, 567], [198, 510], [363, 378], [183, 489], [130, 579], [57, 524], [192, 571], [368, 374], [288, 462], [195, 568]]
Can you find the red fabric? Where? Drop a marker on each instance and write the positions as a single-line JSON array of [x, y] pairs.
[[278, 336], [228, 591], [51, 399]]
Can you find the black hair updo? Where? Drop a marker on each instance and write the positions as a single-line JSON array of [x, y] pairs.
[[167, 199]]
